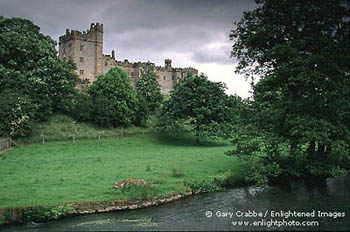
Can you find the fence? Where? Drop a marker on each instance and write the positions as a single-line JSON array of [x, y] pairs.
[[44, 138], [5, 143]]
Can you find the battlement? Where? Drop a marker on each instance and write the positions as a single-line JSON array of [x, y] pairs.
[[86, 50], [90, 34]]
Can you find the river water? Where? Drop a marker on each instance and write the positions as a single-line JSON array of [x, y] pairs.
[[324, 206]]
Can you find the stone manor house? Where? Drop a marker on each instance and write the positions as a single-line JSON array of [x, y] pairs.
[[86, 50]]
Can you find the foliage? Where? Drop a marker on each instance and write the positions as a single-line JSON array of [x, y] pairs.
[[44, 213], [115, 102], [203, 104], [177, 173], [16, 115], [82, 107], [35, 213], [232, 178], [202, 186], [63, 128], [29, 66], [300, 50], [148, 87]]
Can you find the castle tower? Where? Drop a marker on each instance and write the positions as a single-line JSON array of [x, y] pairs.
[[85, 49], [167, 63]]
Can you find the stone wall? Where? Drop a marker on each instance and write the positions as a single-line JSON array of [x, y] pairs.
[[85, 49]]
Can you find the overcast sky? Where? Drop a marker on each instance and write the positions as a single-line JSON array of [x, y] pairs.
[[193, 33]]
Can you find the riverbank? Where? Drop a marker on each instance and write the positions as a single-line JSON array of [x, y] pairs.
[[52, 179], [37, 214]]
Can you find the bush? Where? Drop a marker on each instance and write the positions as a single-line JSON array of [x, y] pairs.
[[141, 192], [202, 186], [16, 115], [177, 173], [82, 107], [231, 179], [35, 214]]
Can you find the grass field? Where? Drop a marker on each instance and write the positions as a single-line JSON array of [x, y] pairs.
[[63, 128], [66, 172]]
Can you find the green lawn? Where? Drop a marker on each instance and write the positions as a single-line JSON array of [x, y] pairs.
[[66, 172]]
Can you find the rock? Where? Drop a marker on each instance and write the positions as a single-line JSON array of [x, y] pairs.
[[129, 182], [133, 206]]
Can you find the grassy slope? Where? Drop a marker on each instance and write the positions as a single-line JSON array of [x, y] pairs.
[[60, 172], [62, 127]]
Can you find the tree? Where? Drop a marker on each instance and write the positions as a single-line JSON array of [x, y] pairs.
[[300, 50], [29, 66], [148, 87], [201, 103], [115, 102], [16, 113], [82, 106]]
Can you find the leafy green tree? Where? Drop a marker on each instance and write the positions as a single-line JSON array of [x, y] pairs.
[[115, 101], [148, 87], [300, 50], [16, 113], [82, 107], [29, 66], [202, 104]]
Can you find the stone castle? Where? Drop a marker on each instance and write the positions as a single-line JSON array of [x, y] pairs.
[[86, 50]]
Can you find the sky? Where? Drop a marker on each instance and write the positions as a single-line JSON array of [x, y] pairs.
[[192, 33]]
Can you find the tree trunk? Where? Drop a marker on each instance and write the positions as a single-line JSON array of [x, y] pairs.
[[321, 151], [292, 151], [311, 149]]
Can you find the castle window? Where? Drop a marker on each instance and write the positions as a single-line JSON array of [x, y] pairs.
[[172, 78], [81, 59], [106, 63], [81, 72], [132, 74], [70, 45], [164, 77], [81, 47]]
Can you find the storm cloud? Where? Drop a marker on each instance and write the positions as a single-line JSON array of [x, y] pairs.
[[190, 32]]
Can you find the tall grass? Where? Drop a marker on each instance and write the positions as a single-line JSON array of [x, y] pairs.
[[64, 128]]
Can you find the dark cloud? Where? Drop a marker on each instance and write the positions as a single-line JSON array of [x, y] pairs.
[[135, 28]]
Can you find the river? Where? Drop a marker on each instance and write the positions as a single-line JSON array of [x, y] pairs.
[[321, 207]]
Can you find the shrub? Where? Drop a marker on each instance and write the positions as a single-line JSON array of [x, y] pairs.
[[16, 115], [82, 107], [141, 192], [35, 213], [177, 173], [201, 186]]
